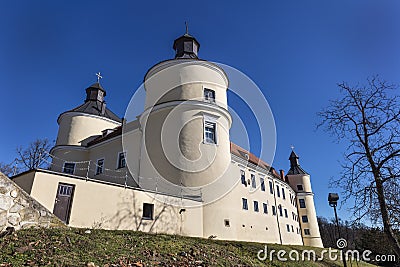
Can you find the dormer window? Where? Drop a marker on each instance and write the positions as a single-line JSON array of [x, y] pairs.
[[209, 95]]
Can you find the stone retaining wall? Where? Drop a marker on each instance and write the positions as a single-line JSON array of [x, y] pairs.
[[19, 210]]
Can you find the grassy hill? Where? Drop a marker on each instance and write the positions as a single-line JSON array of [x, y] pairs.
[[78, 247]]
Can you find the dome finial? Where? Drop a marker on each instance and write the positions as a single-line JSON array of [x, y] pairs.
[[98, 77]]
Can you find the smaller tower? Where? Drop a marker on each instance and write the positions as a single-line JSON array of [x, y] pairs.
[[86, 120], [95, 95], [186, 46], [300, 181]]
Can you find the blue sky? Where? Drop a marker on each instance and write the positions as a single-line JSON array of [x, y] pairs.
[[295, 51]]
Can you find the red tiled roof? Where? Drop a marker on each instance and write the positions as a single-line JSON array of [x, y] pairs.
[[241, 152], [116, 132]]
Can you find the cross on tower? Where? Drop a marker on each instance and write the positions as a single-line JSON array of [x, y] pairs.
[[98, 77]]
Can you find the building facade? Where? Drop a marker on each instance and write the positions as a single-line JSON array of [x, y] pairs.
[[172, 169]]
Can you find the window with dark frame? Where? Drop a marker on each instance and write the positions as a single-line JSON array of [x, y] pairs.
[[283, 193], [265, 208], [255, 204], [209, 95], [288, 227], [243, 177], [209, 133], [307, 231], [262, 184], [148, 211], [302, 203], [300, 187], [244, 204], [280, 210], [273, 210], [227, 223], [69, 167], [286, 214], [253, 181], [277, 191], [121, 160], [271, 187], [100, 166], [304, 219]]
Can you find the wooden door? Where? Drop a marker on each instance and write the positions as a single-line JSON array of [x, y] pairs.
[[62, 205]]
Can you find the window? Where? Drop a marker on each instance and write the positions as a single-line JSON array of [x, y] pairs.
[[121, 160], [286, 215], [209, 95], [304, 219], [262, 184], [300, 187], [243, 177], [271, 187], [209, 133], [99, 166], [273, 210], [283, 193], [288, 227], [307, 231], [148, 211], [265, 208], [280, 210], [253, 181], [244, 204], [69, 167], [292, 229], [226, 223], [255, 206], [302, 203], [277, 191], [65, 190]]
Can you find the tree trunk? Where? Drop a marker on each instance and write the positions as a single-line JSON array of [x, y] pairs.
[[385, 216]]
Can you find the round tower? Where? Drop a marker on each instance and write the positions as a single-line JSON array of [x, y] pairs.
[[82, 124], [186, 121], [86, 120], [300, 181]]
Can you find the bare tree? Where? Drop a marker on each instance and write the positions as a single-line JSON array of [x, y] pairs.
[[368, 118], [6, 169], [35, 155]]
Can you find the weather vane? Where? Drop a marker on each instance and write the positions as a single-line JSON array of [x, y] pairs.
[[98, 77]]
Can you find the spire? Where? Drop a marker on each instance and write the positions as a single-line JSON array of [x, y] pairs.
[[294, 164], [186, 46], [294, 159]]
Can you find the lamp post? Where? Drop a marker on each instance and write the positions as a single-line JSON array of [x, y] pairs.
[[333, 199]]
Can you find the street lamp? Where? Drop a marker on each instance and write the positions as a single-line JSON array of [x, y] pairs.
[[333, 199]]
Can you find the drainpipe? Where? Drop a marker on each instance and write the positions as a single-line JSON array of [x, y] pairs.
[[276, 211]]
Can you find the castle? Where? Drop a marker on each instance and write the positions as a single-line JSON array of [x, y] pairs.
[[173, 169]]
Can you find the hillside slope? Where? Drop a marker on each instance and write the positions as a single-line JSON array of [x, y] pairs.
[[78, 247]]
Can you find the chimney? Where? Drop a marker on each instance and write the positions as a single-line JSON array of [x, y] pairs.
[[282, 173]]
